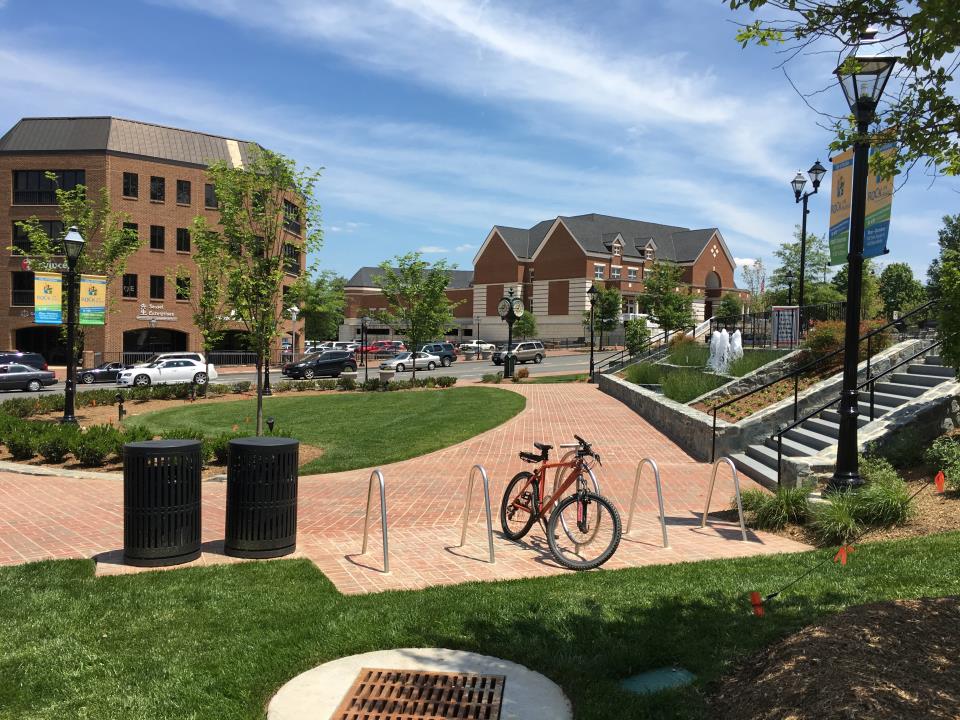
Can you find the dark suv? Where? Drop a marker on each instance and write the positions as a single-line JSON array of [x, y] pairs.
[[330, 363], [445, 351], [34, 360]]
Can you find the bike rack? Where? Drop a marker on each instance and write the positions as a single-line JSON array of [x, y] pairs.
[[486, 505], [633, 499], [736, 486], [383, 518]]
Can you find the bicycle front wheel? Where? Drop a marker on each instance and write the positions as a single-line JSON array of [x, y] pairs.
[[518, 508], [584, 531]]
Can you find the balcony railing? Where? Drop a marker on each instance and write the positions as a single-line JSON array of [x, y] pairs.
[[22, 298], [34, 197]]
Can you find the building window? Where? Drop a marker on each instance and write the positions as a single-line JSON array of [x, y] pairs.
[[132, 227], [183, 288], [157, 287], [33, 187], [21, 241], [614, 272], [157, 233], [631, 273], [130, 285], [530, 271], [131, 185], [598, 272], [22, 289], [291, 259], [648, 253], [183, 192], [158, 188], [183, 240], [616, 249], [291, 217], [209, 197]]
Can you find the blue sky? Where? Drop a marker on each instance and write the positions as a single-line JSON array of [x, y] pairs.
[[436, 119]]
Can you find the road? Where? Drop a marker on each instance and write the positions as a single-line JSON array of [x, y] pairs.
[[473, 370]]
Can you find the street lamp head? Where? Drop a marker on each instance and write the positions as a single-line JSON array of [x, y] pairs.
[[789, 276], [816, 173], [592, 294], [73, 244], [798, 182], [294, 311], [863, 77]]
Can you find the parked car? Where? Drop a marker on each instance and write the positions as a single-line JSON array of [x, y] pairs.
[[31, 359], [473, 345], [344, 345], [326, 364], [445, 351], [17, 376], [157, 357], [406, 361], [105, 372], [524, 352], [390, 346], [166, 372]]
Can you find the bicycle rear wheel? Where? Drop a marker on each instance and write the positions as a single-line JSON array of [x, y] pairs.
[[584, 531], [518, 508], [581, 484]]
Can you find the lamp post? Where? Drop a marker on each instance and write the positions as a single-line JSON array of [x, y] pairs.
[[294, 312], [592, 294], [863, 78], [363, 344], [789, 278], [816, 173], [477, 318], [509, 308], [73, 246]]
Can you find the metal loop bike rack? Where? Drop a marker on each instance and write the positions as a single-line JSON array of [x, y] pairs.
[[486, 506], [383, 518], [633, 498], [736, 487]]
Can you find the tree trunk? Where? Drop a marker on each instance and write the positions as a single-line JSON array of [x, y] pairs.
[[259, 393]]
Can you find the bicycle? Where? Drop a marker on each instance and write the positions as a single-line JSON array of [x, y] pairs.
[[579, 523]]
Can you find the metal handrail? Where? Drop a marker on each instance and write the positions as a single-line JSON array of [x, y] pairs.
[[633, 499], [654, 344], [383, 518], [486, 505], [736, 487]]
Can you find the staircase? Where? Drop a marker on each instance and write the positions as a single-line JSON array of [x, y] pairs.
[[821, 431]]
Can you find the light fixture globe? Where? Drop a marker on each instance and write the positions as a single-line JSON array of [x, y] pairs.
[[73, 243], [863, 77], [816, 173], [798, 183]]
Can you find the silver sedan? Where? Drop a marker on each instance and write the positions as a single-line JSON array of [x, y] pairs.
[[406, 360]]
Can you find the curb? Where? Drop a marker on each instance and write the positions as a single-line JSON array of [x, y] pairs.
[[40, 470]]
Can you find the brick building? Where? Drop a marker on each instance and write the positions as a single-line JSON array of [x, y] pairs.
[[552, 265], [154, 174]]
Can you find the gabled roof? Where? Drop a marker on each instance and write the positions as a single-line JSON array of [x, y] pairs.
[[129, 137], [365, 277]]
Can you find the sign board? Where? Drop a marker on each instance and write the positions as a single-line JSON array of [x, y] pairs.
[[840, 192], [93, 299], [47, 298], [879, 203], [155, 312], [785, 326]]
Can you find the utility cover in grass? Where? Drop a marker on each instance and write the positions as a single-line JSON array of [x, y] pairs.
[[656, 680]]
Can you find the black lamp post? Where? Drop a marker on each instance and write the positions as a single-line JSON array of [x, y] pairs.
[[592, 294], [789, 278], [266, 374], [509, 308], [477, 318], [816, 173], [363, 344], [73, 246], [863, 78]]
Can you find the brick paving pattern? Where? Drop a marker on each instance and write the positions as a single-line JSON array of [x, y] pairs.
[[52, 517]]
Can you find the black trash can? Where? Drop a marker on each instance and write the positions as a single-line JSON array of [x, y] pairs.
[[161, 502], [262, 497]]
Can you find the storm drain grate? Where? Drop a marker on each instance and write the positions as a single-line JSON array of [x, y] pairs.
[[379, 694]]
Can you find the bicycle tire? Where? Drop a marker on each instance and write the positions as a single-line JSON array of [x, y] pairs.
[[558, 476], [611, 547], [507, 504]]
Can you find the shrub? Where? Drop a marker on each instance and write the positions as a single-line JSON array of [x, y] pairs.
[[304, 385], [944, 454], [835, 522], [20, 407], [94, 445], [884, 504], [137, 433], [492, 378], [636, 334], [284, 386], [345, 383], [828, 336], [370, 385], [773, 512], [21, 441], [241, 387], [445, 381], [521, 374], [686, 351], [220, 446], [326, 384], [54, 442], [683, 385], [645, 374]]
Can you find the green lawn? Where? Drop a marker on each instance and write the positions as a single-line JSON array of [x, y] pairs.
[[217, 642], [356, 430]]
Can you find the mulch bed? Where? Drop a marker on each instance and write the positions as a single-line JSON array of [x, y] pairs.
[[883, 661]]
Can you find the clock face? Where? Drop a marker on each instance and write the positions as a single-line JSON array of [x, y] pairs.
[[517, 307], [504, 307]]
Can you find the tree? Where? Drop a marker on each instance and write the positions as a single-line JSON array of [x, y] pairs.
[[898, 289], [663, 298], [607, 306], [755, 279], [729, 306], [948, 237], [322, 303], [256, 207], [418, 308], [948, 327], [525, 326], [636, 334], [870, 302], [920, 108], [816, 267], [108, 243]]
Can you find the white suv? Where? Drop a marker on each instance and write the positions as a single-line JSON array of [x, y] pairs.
[[168, 371], [197, 357]]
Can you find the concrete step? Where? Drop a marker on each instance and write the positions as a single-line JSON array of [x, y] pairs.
[[863, 418], [791, 448], [763, 454], [884, 398], [811, 438], [902, 389], [917, 379], [756, 470], [933, 360], [822, 426], [927, 369]]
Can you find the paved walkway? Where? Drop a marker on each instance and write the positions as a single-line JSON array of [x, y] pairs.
[[44, 517]]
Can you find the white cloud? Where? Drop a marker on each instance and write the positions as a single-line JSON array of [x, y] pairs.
[[432, 249], [465, 247], [334, 228], [739, 262]]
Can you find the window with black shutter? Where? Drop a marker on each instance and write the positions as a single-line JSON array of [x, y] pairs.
[[33, 187], [183, 240], [130, 285], [209, 197], [157, 237], [158, 188], [131, 185], [22, 289], [183, 288], [183, 192], [157, 287]]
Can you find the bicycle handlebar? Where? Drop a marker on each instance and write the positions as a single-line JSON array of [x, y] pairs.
[[569, 445]]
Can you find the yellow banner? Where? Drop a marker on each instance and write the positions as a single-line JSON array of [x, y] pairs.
[[840, 194], [93, 299], [47, 298]]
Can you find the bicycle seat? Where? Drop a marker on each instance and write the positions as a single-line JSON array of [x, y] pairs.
[[530, 457], [542, 446]]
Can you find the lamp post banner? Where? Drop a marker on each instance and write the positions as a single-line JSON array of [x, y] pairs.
[[840, 207], [93, 299], [47, 298], [879, 202]]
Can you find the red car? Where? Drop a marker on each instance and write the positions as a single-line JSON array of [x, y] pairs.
[[387, 346]]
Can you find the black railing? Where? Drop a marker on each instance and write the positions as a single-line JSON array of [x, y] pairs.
[[22, 298], [795, 374], [659, 341], [870, 381], [755, 327], [34, 197]]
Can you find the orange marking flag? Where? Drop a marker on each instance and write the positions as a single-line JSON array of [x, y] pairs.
[[842, 553], [940, 481], [757, 603]]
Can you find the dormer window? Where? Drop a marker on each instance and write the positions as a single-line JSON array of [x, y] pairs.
[[648, 252], [616, 249]]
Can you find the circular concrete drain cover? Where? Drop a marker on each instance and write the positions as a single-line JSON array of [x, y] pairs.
[[317, 693]]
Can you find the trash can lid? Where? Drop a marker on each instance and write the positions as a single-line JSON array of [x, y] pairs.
[[264, 442], [162, 444]]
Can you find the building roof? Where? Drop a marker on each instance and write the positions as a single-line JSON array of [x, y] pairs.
[[128, 137], [365, 277]]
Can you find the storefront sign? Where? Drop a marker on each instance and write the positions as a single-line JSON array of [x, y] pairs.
[[27, 264], [155, 312], [47, 298], [785, 328], [879, 203], [93, 298], [841, 185]]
